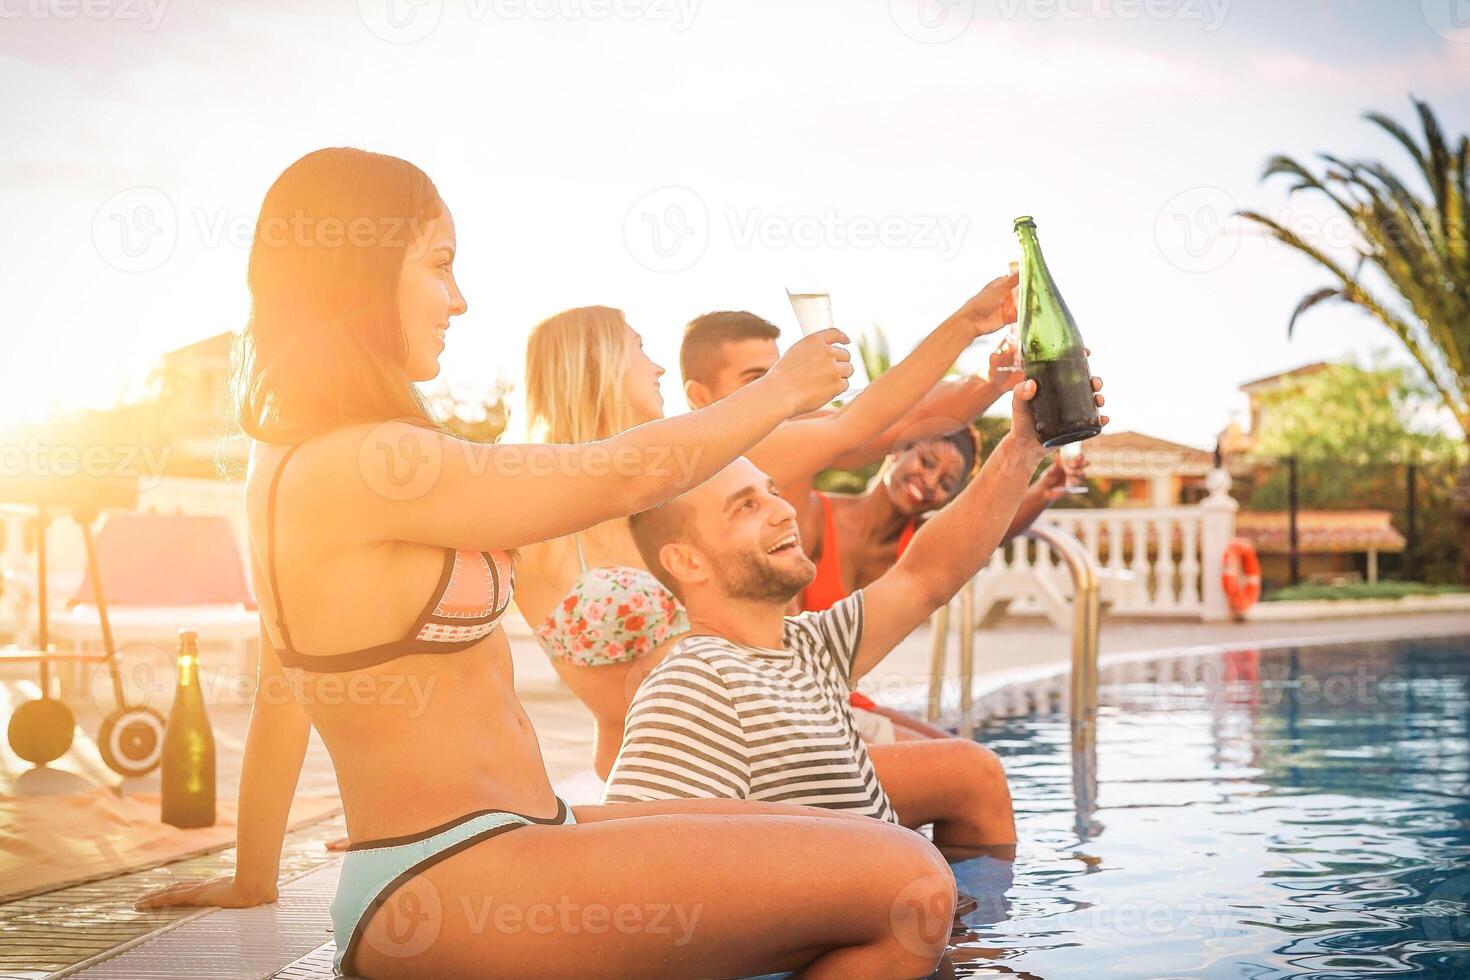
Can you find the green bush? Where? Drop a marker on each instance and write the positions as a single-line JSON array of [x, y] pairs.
[[1359, 590]]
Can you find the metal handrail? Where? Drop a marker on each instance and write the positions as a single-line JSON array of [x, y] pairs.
[[1085, 626]]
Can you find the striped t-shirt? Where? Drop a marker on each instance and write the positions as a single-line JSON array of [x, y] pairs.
[[720, 720]]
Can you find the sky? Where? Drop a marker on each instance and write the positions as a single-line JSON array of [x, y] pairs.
[[671, 157]]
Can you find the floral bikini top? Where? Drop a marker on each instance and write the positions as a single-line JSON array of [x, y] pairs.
[[610, 616]]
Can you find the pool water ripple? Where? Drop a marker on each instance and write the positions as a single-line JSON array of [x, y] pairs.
[[1302, 812]]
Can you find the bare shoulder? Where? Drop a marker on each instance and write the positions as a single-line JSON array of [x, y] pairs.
[[610, 544], [341, 454], [545, 559], [324, 482], [845, 512]]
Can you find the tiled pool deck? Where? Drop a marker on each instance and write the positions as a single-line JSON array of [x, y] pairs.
[[45, 933]]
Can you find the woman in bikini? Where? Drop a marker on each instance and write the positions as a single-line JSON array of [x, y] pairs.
[[858, 537], [596, 610], [384, 548]]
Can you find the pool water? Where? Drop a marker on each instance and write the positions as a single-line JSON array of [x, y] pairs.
[[1295, 812]]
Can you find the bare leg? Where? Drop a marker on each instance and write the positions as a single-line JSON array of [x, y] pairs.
[[913, 728], [957, 785], [907, 728], [674, 889]]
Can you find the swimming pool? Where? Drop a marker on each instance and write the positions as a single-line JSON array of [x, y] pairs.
[[1292, 812]]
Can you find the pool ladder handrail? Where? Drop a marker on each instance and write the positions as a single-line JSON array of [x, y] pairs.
[[1085, 626]]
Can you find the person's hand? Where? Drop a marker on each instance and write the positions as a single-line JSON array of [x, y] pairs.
[[1023, 425], [339, 844], [1005, 356], [1064, 471], [222, 892], [814, 371], [993, 307], [1054, 477]]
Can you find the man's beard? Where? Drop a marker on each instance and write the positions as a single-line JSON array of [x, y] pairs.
[[751, 576]]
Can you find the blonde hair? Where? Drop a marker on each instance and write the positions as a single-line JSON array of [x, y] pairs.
[[575, 362]]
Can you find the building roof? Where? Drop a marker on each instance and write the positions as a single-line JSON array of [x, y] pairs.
[[1319, 531], [1133, 455], [1271, 380], [1137, 440], [219, 345]]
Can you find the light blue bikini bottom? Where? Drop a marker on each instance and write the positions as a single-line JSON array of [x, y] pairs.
[[373, 870]]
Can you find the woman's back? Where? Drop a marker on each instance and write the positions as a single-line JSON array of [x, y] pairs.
[[550, 569], [602, 618]]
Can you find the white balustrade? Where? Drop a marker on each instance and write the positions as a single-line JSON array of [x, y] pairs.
[[1155, 561]]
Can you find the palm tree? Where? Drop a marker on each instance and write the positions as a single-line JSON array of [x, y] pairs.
[[1412, 266]]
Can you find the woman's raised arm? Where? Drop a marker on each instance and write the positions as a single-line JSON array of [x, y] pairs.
[[400, 482]]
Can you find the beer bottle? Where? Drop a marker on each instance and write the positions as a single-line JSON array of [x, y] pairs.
[[188, 746], [1052, 352]]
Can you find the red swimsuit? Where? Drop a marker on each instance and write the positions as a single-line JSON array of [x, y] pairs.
[[827, 589]]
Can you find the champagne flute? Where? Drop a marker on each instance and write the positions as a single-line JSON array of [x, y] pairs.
[[813, 308], [1070, 452], [1012, 338]]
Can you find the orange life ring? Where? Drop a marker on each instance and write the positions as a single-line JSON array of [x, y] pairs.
[[1241, 576]]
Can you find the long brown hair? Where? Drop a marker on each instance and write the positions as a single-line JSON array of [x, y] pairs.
[[324, 346]]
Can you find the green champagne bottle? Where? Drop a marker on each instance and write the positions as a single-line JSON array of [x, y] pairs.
[[188, 746], [1052, 352]]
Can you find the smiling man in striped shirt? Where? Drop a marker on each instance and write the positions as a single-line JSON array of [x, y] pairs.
[[753, 704]]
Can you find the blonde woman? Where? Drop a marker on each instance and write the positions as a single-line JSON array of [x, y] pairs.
[[385, 551], [593, 606]]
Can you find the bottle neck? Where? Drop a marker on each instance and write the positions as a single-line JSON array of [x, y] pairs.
[[1030, 247], [1034, 274], [188, 668]]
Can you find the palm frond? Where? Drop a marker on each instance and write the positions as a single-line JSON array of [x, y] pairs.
[[1460, 241], [1351, 290], [1438, 170], [1406, 200], [1416, 243], [1400, 134], [873, 351], [1291, 239], [1312, 299], [1305, 179]]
